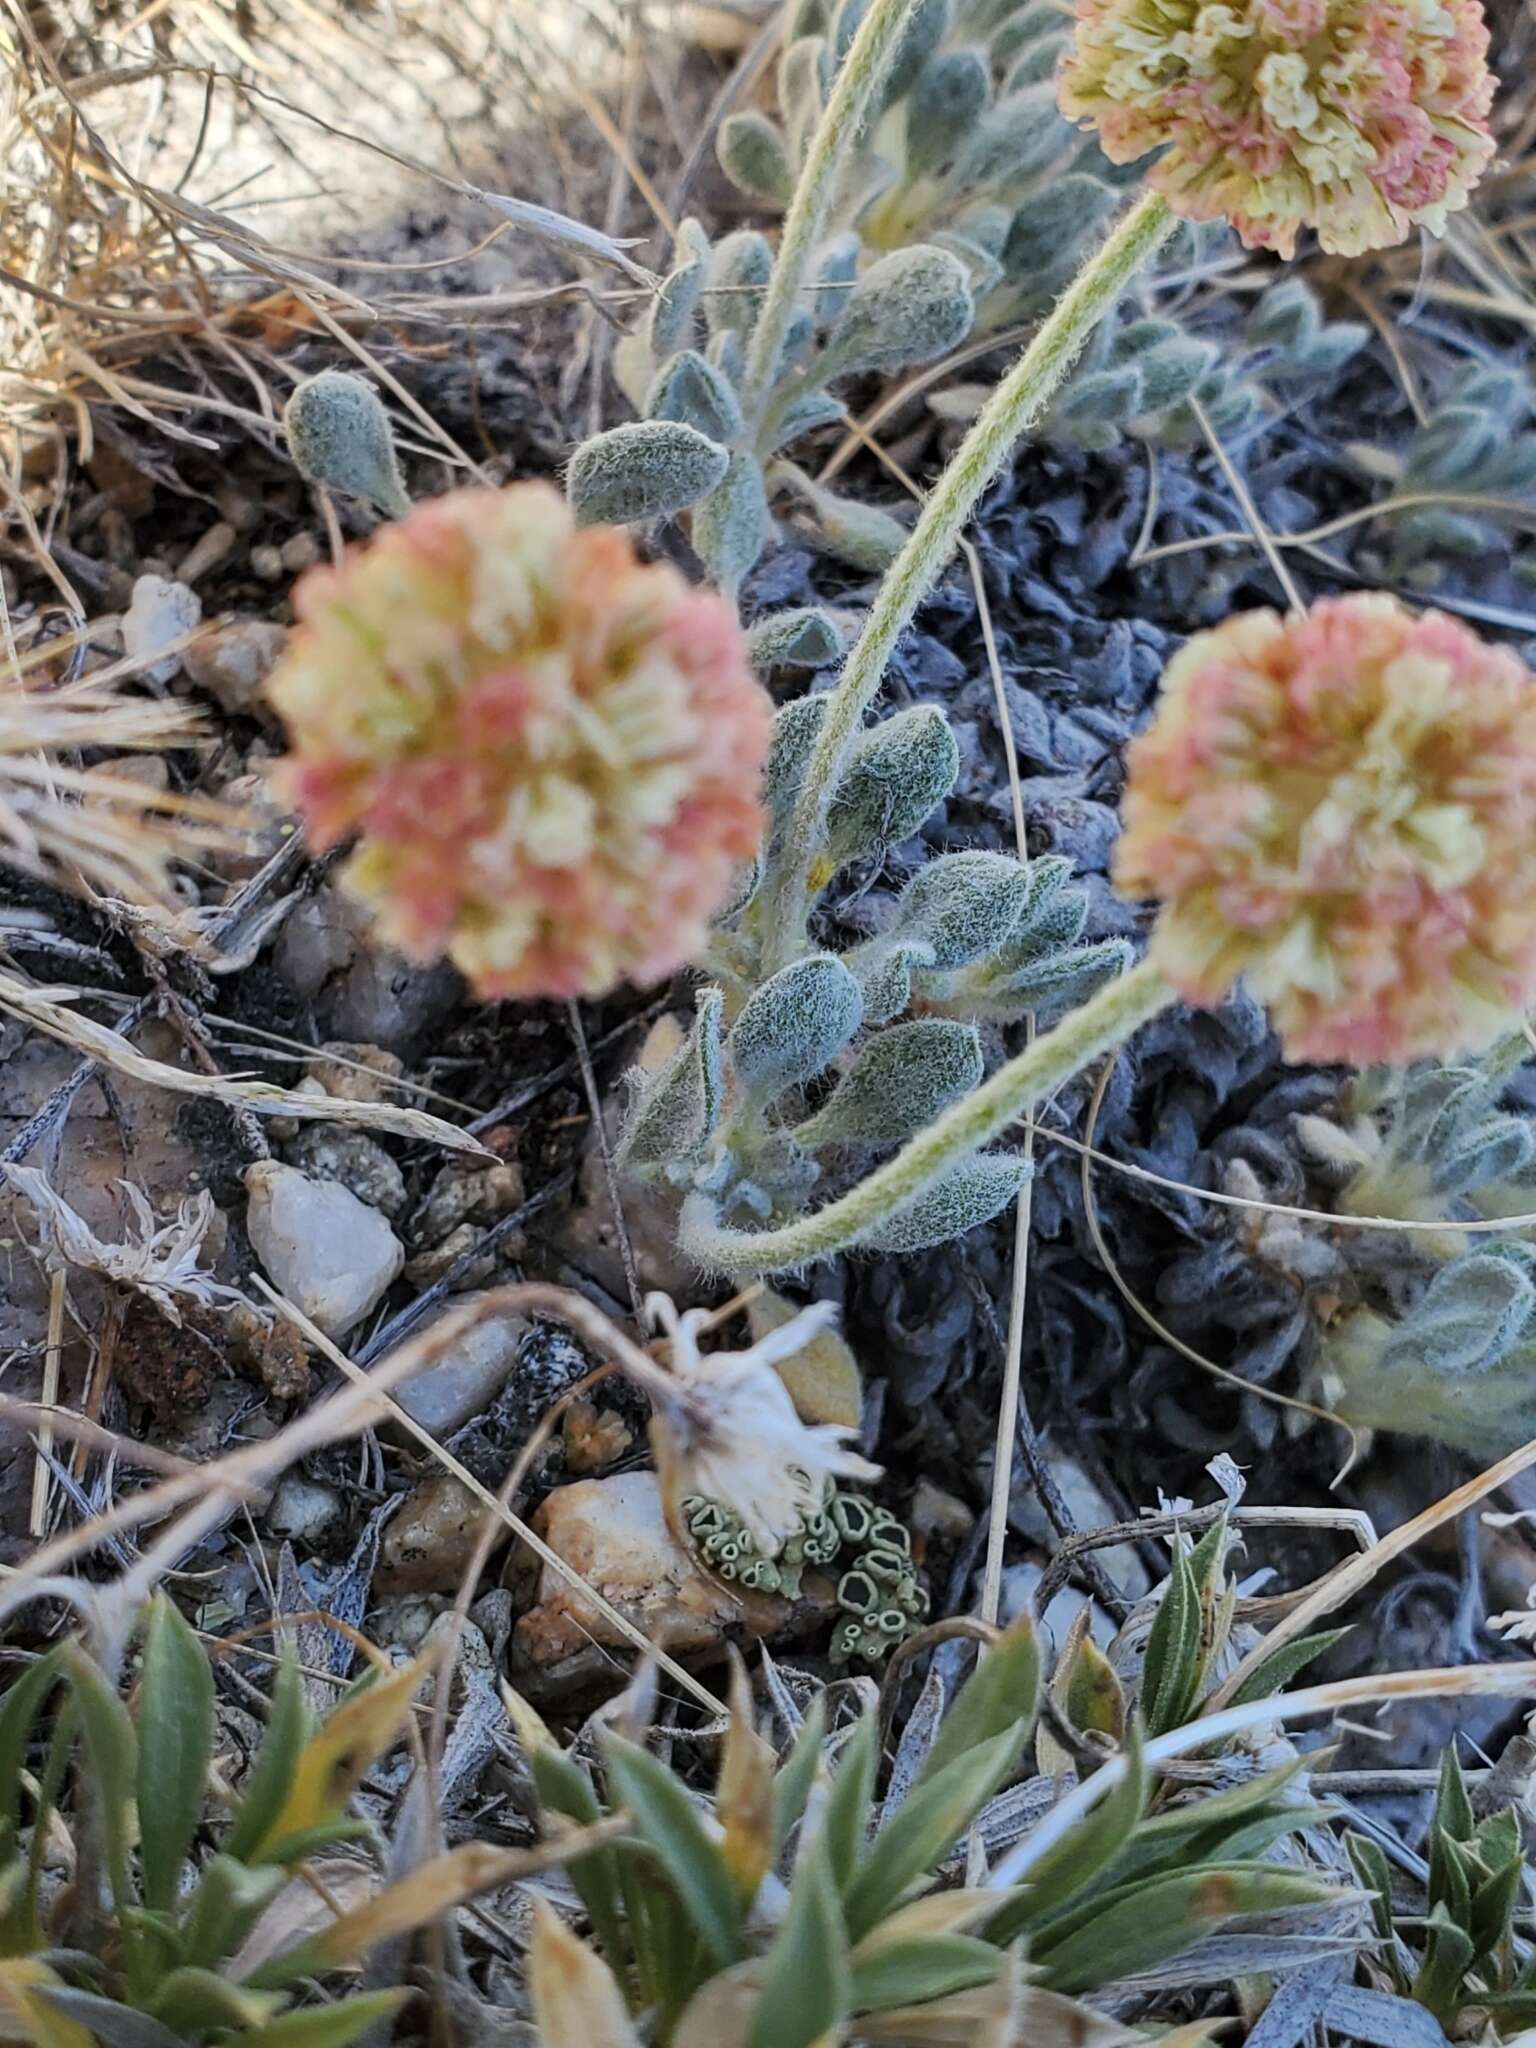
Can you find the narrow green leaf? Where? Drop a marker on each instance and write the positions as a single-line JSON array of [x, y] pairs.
[[665, 1818], [1452, 1875], [109, 1738], [928, 1822], [1277, 1671], [1371, 1869], [19, 1710], [806, 1979], [327, 2026], [564, 1787], [1162, 1842], [20, 1929], [1003, 1689], [1448, 1954], [1493, 1907], [1081, 1856], [288, 1729], [229, 1899], [1168, 1672], [175, 1733], [193, 2002], [792, 1787], [1153, 1921], [845, 1821], [926, 1966], [1453, 1808]]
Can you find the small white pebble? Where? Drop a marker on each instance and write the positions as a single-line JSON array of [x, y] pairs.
[[266, 562], [160, 612], [301, 551]]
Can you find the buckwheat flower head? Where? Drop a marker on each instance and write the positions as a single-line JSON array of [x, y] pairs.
[[549, 751], [1341, 806], [1359, 118], [728, 1428]]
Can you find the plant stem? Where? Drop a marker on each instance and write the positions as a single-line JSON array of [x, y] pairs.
[[806, 221], [1012, 409], [1105, 1020]]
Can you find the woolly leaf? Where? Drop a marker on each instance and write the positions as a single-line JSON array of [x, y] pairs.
[[738, 270], [1013, 143], [1038, 64], [900, 1080], [803, 415], [339, 435], [901, 770], [643, 470], [963, 905], [859, 534], [730, 525], [752, 155], [946, 103], [806, 637], [911, 307], [677, 301], [1500, 1149], [1473, 1310], [1048, 227], [805, 72], [885, 975], [724, 352], [795, 1024], [967, 1195], [796, 729], [689, 389], [674, 1117], [845, 26], [926, 23]]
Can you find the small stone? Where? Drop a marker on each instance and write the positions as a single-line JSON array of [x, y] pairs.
[[149, 771], [266, 562], [269, 1350], [405, 1622], [300, 551], [358, 1162], [428, 1267], [937, 1514], [207, 553], [234, 663], [386, 1000], [329, 1253], [1088, 1509], [614, 1533], [318, 939], [286, 1128], [466, 1379], [236, 505], [595, 1437], [358, 1073], [428, 1542], [302, 1509], [160, 612], [467, 1191]]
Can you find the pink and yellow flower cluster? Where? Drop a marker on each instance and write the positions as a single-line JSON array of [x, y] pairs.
[[1341, 806], [1359, 118], [550, 751]]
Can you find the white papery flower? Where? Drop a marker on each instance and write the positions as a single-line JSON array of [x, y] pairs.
[[158, 1259], [727, 1428]]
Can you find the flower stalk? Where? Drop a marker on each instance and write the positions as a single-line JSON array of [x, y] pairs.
[[1105, 1021], [805, 223], [1013, 408]]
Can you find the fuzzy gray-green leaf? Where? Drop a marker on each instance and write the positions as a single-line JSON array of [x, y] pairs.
[[339, 435], [963, 905], [731, 524], [900, 1080], [912, 306], [753, 156], [901, 770], [967, 1195], [689, 389], [794, 1025], [645, 469], [805, 637], [175, 1734]]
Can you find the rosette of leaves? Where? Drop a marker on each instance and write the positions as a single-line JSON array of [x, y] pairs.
[[792, 1082], [1452, 1944], [1458, 1363], [694, 447], [168, 1932], [798, 1905], [1145, 376], [1477, 453]]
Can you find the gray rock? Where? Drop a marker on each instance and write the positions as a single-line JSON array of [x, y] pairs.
[[358, 1162], [160, 611], [389, 1001], [331, 1254], [318, 939], [467, 1378], [233, 664], [302, 1509]]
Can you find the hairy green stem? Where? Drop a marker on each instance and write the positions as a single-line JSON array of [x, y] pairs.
[[1012, 409], [806, 221], [1104, 1021]]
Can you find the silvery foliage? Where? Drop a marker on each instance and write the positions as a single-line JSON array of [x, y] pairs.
[[1444, 1341], [790, 1085], [339, 436], [965, 208], [1477, 443]]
